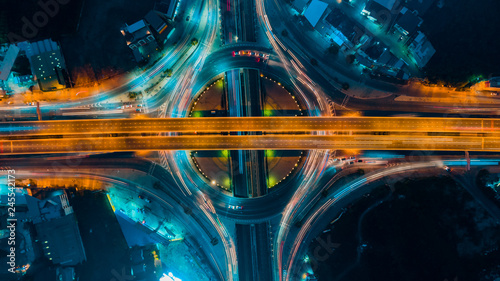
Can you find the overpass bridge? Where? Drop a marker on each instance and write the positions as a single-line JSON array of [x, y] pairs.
[[251, 124], [286, 133]]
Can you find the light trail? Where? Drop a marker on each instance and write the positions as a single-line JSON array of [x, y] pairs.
[[465, 126]]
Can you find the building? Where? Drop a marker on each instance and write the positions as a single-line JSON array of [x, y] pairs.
[[388, 4], [140, 40], [48, 65], [493, 84], [61, 241], [315, 11], [406, 25], [375, 50], [421, 49], [167, 7], [8, 57], [55, 225], [421, 6], [300, 5], [57, 229], [346, 33], [380, 11], [137, 233], [65, 273], [159, 24]]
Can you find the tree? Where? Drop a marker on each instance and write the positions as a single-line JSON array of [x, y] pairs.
[[350, 59], [324, 193], [157, 185], [194, 42], [284, 33], [314, 62], [168, 72], [333, 49], [132, 95]]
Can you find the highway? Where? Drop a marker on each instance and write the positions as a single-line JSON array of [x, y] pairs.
[[250, 142], [251, 124]]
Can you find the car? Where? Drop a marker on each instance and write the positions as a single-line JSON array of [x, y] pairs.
[[494, 93], [235, 207], [138, 110], [233, 53], [139, 105], [241, 53], [446, 168]]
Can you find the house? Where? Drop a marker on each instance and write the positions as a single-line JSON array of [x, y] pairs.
[[421, 6], [167, 7], [157, 22], [375, 50], [315, 11], [493, 84], [421, 49], [382, 61], [388, 4], [352, 33], [406, 24], [299, 5], [380, 11], [8, 55], [48, 65], [140, 39]]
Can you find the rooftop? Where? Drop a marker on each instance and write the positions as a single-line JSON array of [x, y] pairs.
[[422, 49], [315, 11], [166, 7], [388, 4], [421, 6], [156, 21], [352, 30], [61, 241], [299, 5], [7, 61], [408, 21], [47, 64]]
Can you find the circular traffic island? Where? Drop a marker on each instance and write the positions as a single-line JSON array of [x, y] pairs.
[[218, 167]]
